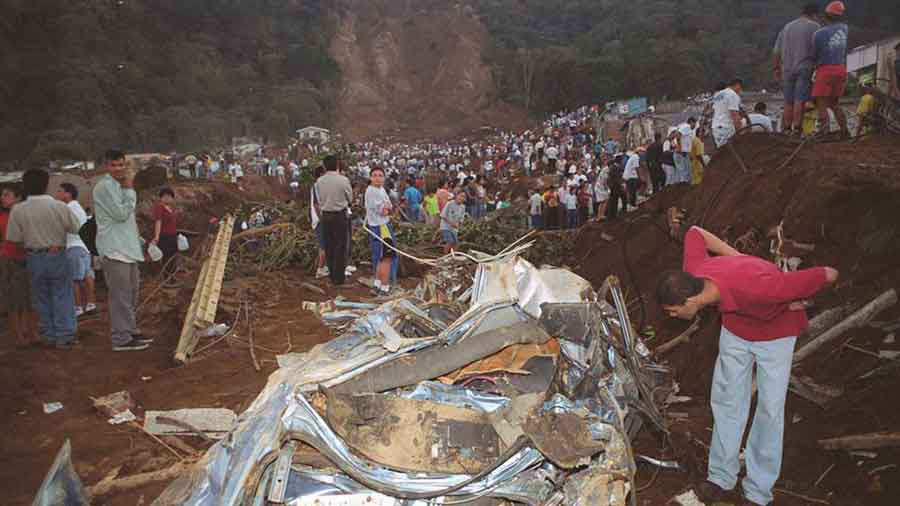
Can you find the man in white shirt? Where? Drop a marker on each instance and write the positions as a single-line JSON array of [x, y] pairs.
[[570, 200], [759, 121], [726, 112], [683, 155], [630, 175], [535, 209], [77, 254], [552, 154]]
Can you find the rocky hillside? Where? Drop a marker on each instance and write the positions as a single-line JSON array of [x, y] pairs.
[[413, 68]]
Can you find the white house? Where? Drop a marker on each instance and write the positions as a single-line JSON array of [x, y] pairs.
[[874, 61], [313, 133]]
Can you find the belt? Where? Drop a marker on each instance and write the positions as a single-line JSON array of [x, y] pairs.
[[51, 249], [342, 211]]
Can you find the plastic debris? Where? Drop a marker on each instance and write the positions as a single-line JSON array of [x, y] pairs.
[[52, 407], [123, 417]]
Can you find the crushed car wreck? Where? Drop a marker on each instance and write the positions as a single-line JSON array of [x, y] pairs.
[[371, 403]]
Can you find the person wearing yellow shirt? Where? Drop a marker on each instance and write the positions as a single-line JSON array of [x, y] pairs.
[[865, 110], [697, 161], [432, 210]]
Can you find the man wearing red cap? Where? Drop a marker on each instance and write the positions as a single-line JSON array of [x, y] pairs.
[[830, 51]]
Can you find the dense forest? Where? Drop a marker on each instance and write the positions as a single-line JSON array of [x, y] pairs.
[[551, 54], [160, 75], [82, 75]]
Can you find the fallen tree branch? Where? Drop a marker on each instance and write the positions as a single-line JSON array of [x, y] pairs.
[[313, 288], [250, 339], [683, 338], [254, 232], [824, 321], [862, 441], [820, 395], [105, 486], [857, 319], [158, 440], [800, 496]]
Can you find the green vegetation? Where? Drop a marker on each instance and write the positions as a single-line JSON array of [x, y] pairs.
[[551, 54], [159, 75]]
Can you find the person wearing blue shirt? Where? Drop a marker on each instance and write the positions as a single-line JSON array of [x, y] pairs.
[[612, 147], [413, 201], [830, 56]]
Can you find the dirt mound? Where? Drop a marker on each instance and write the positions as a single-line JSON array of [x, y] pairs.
[[414, 70], [837, 197]]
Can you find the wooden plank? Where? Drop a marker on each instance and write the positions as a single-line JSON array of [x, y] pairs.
[[188, 339], [207, 281], [206, 314], [206, 293], [862, 441]]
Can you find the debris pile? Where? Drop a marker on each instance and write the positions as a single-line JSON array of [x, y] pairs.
[[518, 384], [284, 238]]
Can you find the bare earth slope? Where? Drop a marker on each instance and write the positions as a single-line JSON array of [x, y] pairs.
[[414, 69]]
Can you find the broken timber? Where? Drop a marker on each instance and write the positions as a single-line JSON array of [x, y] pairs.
[[202, 311], [862, 441], [857, 319]]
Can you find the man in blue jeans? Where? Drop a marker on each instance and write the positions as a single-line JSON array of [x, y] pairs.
[[761, 319], [41, 224]]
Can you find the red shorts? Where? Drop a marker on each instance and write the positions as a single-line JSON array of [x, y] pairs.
[[831, 81]]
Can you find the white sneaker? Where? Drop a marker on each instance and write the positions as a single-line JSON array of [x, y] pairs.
[[321, 273], [90, 308], [351, 268], [78, 311], [348, 272]]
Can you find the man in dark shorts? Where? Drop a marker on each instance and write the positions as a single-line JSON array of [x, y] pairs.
[[830, 51]]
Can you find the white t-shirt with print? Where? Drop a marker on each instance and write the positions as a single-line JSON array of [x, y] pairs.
[[724, 103]]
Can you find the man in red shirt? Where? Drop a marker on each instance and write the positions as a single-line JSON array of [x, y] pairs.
[[761, 319]]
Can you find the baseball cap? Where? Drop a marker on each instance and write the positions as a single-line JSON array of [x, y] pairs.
[[835, 9]]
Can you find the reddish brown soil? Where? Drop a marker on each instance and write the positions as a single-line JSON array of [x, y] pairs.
[[840, 197], [824, 197]]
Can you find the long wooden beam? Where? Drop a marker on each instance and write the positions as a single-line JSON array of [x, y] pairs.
[[205, 300]]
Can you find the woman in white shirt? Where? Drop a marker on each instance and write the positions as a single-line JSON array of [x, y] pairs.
[[378, 216]]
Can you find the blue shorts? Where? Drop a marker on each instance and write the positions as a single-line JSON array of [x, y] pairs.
[[379, 250], [450, 237], [797, 85], [79, 263]]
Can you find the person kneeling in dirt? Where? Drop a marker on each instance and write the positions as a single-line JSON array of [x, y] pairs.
[[451, 218], [761, 319], [378, 217]]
